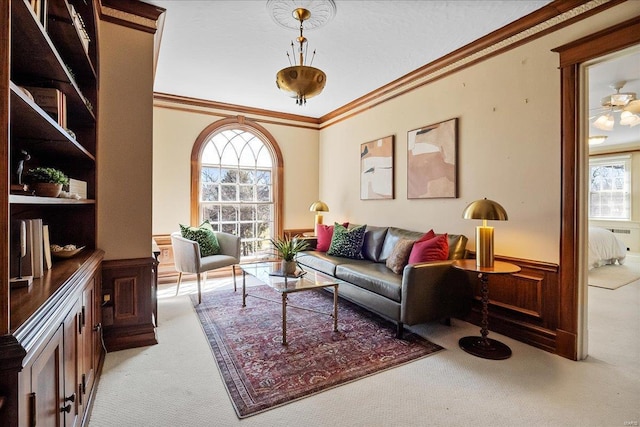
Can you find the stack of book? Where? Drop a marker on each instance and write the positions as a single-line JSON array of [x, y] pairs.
[[31, 253], [80, 28]]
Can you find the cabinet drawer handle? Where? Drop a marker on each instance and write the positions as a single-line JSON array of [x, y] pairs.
[[71, 398], [66, 409]]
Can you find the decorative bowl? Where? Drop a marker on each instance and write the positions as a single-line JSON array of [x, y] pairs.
[[66, 253]]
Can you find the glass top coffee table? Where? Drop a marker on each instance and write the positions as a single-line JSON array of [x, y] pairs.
[[267, 273]]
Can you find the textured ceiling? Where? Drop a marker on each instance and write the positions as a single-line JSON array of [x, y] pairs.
[[230, 51]]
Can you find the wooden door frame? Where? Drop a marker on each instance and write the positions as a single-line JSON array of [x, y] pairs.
[[573, 241]]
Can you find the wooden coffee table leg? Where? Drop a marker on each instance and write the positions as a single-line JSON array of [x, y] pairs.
[[335, 308], [284, 319]]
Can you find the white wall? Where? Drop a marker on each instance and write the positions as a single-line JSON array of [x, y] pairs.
[[125, 142], [508, 147], [175, 132]]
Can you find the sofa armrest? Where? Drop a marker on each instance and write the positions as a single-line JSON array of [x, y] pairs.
[[434, 290]]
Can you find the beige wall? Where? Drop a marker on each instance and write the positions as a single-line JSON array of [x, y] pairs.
[[508, 150], [176, 131], [508, 147], [125, 142]]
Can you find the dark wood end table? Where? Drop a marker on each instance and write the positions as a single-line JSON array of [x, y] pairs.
[[482, 346]]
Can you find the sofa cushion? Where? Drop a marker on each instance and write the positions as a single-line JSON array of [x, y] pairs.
[[400, 255], [393, 235], [435, 249], [373, 276], [204, 235], [320, 261], [325, 234], [347, 243], [373, 240]]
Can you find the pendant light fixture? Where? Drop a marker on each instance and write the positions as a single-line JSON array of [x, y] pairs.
[[301, 80]]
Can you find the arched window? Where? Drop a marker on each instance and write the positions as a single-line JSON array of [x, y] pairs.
[[236, 178]]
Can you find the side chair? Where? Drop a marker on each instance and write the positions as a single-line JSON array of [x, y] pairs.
[[187, 259]]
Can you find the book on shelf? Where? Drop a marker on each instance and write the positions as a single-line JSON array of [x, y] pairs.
[[52, 101], [46, 244], [21, 248], [37, 247]]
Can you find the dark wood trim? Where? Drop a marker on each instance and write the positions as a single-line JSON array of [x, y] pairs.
[[5, 56], [176, 99], [572, 56], [239, 122], [131, 13]]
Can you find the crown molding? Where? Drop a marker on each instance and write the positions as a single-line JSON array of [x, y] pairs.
[[131, 13]]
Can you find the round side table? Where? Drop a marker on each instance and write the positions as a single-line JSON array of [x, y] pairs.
[[482, 346]]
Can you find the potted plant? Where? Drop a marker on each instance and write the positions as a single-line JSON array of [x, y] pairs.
[[46, 182], [287, 249]]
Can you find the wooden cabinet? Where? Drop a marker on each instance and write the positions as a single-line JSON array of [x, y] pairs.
[[50, 330]]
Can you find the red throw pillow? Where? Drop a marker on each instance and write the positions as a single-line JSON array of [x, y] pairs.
[[427, 236], [325, 233], [436, 249]]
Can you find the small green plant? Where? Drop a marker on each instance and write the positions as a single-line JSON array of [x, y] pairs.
[[51, 175], [288, 248]]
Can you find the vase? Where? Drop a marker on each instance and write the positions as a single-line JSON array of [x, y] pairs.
[[289, 267], [46, 189]]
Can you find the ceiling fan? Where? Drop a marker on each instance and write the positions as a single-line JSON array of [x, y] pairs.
[[624, 103]]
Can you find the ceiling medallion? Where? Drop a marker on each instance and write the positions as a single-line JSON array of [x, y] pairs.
[[283, 13]]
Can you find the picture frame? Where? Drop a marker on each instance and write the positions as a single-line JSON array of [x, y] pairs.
[[432, 161], [377, 169]]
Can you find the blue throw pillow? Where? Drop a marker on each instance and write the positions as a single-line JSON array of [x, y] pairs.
[[347, 243], [205, 237]]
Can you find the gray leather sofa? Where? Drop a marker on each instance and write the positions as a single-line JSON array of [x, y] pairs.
[[424, 292]]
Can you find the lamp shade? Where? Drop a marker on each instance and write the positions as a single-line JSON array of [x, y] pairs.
[[485, 209], [319, 206]]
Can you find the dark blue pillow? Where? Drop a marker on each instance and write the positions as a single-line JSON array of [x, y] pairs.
[[347, 243]]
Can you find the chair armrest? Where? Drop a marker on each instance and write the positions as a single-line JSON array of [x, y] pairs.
[[434, 290], [186, 254], [229, 244]]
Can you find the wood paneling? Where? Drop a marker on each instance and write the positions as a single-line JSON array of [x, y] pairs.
[[522, 305], [129, 301]]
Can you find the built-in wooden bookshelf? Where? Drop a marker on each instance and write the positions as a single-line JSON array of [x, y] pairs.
[[50, 346]]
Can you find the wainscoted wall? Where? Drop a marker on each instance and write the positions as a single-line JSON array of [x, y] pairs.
[[129, 303], [523, 305]]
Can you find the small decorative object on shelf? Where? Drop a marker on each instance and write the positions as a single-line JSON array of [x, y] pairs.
[[46, 182], [66, 251]]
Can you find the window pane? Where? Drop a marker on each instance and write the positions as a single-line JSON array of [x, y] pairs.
[[263, 177], [210, 192], [247, 213], [263, 193], [246, 193], [246, 231], [211, 213], [229, 175], [263, 213], [229, 192], [229, 213]]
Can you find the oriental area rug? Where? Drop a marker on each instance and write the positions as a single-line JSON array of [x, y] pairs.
[[260, 373]]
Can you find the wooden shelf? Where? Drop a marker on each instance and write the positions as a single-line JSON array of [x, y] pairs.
[[36, 62], [35, 200], [39, 132]]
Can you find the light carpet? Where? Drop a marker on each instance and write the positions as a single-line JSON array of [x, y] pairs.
[[176, 382], [260, 373], [614, 276]]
